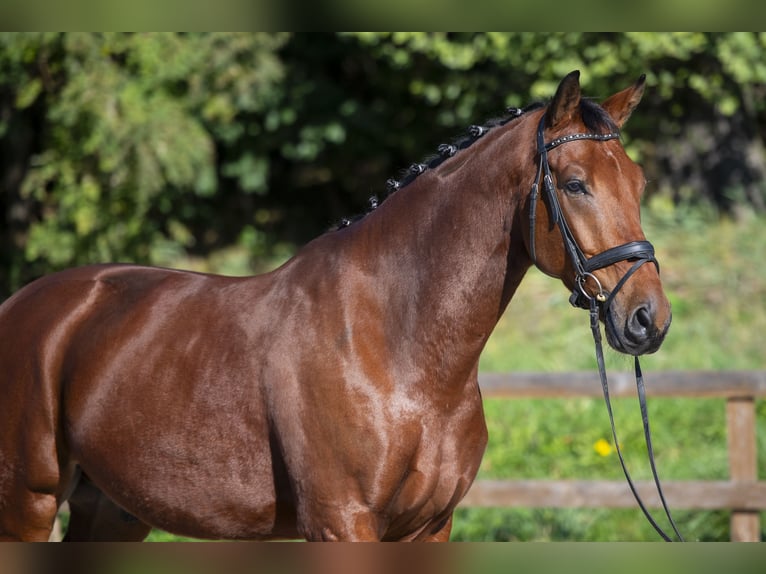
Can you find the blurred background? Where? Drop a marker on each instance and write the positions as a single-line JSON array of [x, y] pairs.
[[224, 153]]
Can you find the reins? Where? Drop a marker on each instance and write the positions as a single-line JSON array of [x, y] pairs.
[[638, 251]]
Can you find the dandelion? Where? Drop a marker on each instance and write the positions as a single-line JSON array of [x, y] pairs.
[[603, 447]]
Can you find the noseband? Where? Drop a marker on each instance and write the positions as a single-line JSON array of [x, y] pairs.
[[639, 252]]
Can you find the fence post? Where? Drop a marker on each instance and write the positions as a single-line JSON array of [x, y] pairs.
[[740, 428]]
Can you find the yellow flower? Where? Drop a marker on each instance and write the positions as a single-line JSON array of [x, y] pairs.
[[603, 447]]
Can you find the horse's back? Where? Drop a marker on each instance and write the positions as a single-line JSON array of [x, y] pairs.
[[42, 323]]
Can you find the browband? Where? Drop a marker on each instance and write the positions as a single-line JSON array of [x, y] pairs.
[[572, 137]]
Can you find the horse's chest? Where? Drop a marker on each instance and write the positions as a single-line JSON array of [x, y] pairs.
[[441, 470]]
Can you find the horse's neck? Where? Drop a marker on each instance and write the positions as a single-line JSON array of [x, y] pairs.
[[448, 249]]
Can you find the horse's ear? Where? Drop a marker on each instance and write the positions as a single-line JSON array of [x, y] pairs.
[[565, 102], [621, 105]]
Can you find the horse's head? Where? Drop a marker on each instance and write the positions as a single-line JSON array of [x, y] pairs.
[[589, 231]]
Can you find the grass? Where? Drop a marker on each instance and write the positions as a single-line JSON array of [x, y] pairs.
[[714, 272]]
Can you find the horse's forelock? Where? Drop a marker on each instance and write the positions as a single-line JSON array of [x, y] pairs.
[[595, 118]]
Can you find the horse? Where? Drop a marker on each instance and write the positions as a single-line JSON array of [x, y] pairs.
[[336, 397]]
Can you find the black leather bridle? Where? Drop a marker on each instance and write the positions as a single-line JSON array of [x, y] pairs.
[[639, 252]]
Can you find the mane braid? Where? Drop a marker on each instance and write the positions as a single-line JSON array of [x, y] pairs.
[[594, 117], [446, 151]]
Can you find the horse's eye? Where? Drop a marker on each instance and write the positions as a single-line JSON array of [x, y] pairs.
[[575, 187]]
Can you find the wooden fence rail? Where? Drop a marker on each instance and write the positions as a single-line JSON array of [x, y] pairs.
[[743, 493]]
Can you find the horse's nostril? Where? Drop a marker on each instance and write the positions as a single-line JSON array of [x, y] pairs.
[[643, 317], [640, 324]]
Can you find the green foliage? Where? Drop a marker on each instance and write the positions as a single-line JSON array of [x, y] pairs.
[[131, 130], [163, 148]]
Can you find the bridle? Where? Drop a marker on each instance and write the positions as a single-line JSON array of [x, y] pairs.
[[639, 252]]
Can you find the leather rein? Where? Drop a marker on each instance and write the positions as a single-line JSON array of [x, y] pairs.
[[598, 304]]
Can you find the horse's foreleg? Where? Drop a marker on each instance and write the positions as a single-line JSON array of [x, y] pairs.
[[30, 518], [364, 527], [441, 533], [336, 525], [94, 517]]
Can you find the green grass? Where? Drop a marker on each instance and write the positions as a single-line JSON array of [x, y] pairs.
[[714, 272]]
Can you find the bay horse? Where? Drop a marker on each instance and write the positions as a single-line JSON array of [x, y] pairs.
[[335, 398]]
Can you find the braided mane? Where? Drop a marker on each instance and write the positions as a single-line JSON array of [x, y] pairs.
[[594, 117]]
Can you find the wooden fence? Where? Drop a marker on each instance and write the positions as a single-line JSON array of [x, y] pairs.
[[743, 493]]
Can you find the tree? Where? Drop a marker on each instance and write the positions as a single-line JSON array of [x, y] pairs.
[[158, 147], [111, 141]]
